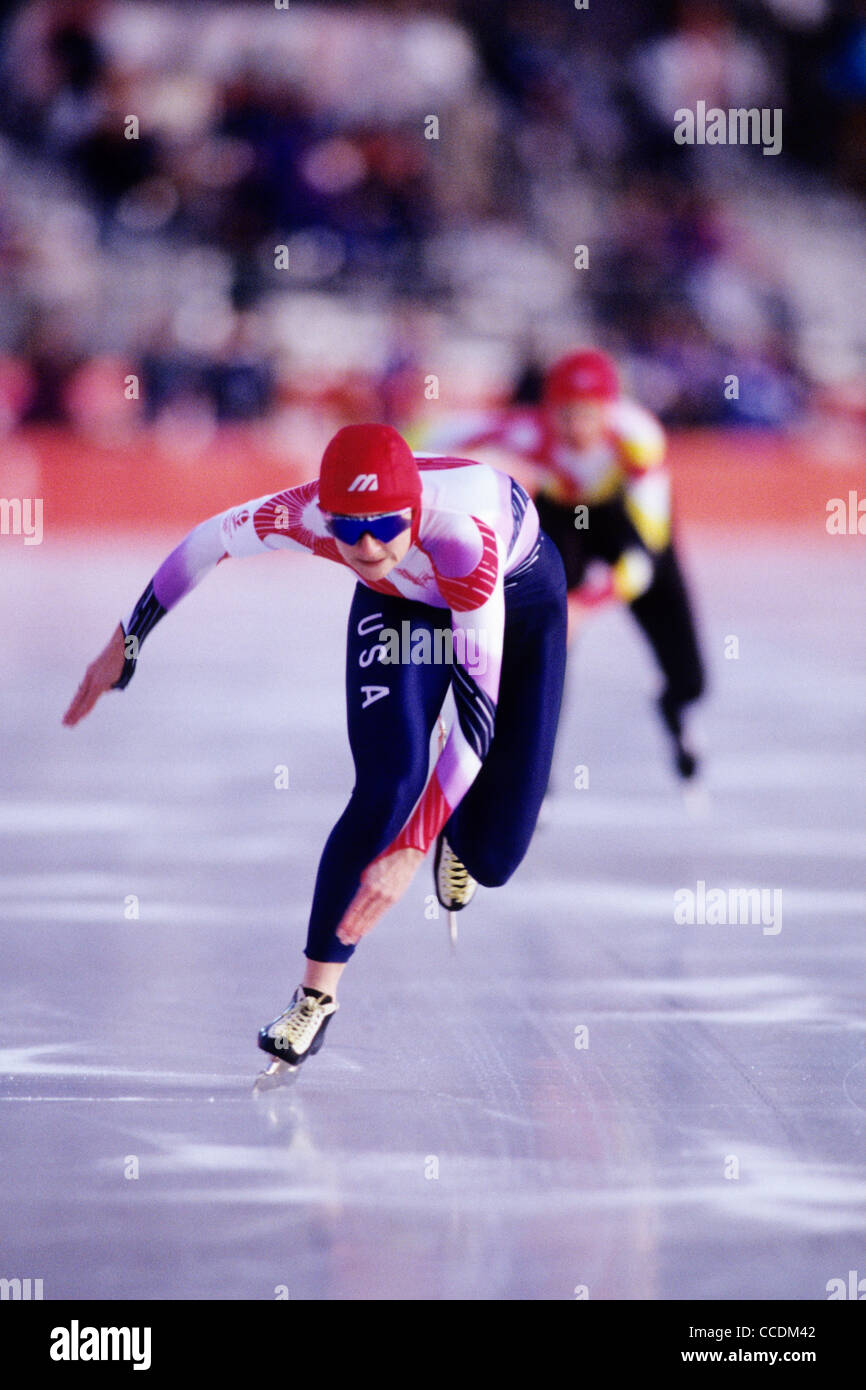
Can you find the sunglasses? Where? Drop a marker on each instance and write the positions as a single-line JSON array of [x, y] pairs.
[[350, 529]]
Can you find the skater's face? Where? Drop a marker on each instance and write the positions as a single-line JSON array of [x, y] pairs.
[[580, 423], [373, 559]]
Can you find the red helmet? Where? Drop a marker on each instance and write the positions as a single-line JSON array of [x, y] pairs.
[[368, 469], [581, 376]]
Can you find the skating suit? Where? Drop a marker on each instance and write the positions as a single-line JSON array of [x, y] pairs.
[[479, 570], [621, 479]]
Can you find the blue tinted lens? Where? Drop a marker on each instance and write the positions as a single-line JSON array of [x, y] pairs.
[[350, 529]]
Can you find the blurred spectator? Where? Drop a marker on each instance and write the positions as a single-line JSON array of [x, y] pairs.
[[405, 160], [845, 77]]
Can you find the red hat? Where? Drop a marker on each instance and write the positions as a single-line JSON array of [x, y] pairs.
[[368, 469], [581, 376]]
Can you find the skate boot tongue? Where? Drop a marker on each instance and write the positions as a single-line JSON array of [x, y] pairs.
[[307, 992]]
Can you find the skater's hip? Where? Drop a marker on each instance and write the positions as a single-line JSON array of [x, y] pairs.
[[539, 582]]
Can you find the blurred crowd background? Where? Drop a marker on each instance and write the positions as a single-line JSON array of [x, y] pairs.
[[419, 246]]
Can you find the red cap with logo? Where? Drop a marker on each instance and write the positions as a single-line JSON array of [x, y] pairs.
[[581, 376], [367, 469]]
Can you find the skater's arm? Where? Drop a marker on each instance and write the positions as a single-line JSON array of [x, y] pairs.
[[508, 434], [647, 484], [630, 575], [200, 551], [99, 677], [648, 505], [383, 885], [475, 687], [454, 433], [284, 520], [263, 524], [643, 522], [622, 582]]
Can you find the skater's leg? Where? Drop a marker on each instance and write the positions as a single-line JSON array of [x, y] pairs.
[[323, 975], [568, 697], [392, 709], [607, 534], [664, 615], [575, 546], [491, 829]]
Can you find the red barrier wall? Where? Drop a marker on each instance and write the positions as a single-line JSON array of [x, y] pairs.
[[725, 480]]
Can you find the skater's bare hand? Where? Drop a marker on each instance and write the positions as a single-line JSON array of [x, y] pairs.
[[99, 677], [382, 885]]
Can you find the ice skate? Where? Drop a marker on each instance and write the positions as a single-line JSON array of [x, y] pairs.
[[297, 1034], [687, 760], [277, 1073], [696, 798], [455, 886]]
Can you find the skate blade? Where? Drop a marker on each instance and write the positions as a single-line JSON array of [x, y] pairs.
[[452, 929], [277, 1073]]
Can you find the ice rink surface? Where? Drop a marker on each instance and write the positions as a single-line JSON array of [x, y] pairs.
[[587, 1099]]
